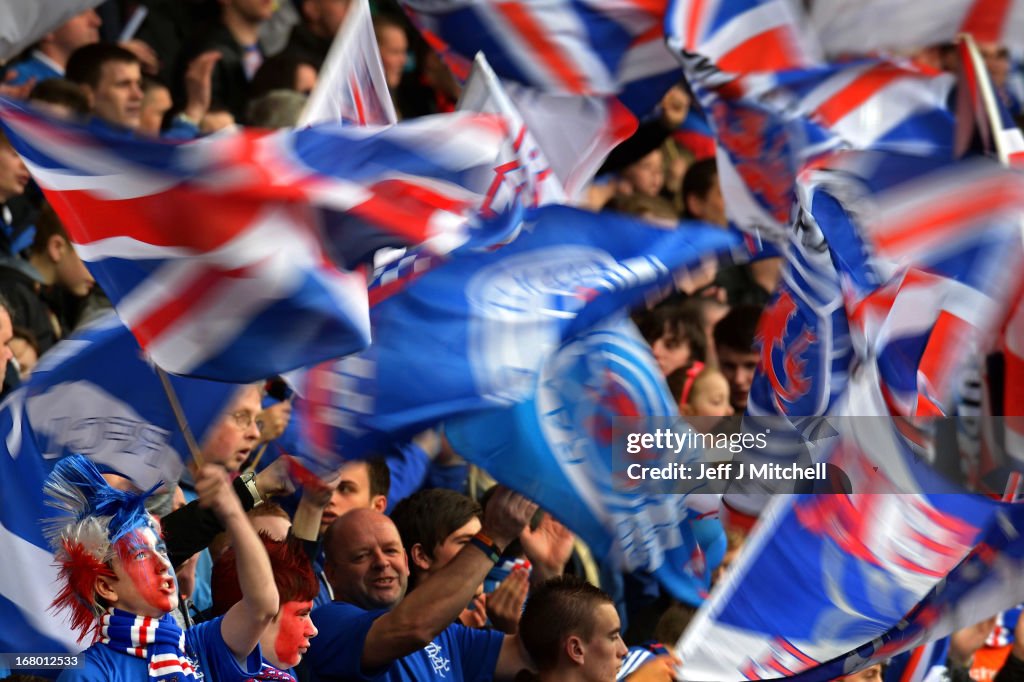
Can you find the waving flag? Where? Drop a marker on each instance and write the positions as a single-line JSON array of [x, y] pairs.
[[523, 172], [212, 251], [559, 141], [770, 126], [558, 47], [982, 120], [471, 331], [741, 36], [93, 394], [804, 600], [556, 448], [351, 85], [862, 27]]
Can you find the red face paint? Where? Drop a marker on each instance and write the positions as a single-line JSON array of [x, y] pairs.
[[145, 564], [294, 632]]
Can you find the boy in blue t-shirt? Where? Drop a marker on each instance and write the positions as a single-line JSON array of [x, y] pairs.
[[119, 585]]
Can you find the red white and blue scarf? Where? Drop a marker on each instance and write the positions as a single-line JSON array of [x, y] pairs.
[[159, 641]]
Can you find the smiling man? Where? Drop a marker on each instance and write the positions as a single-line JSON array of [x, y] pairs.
[[119, 586], [374, 631]]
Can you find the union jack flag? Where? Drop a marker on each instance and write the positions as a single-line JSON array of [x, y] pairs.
[[557, 46], [212, 251]]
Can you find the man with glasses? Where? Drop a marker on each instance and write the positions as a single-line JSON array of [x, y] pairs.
[[229, 443]]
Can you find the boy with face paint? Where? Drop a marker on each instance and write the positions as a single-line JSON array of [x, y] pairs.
[[120, 588], [286, 640]]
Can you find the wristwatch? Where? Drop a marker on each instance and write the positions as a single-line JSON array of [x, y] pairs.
[[249, 479]]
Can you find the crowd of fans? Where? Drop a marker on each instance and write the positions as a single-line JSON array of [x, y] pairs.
[[401, 567]]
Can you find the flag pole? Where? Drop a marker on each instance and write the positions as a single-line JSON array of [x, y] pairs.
[[179, 415]]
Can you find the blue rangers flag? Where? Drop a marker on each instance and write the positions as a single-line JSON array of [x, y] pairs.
[[556, 447], [94, 394], [212, 251], [471, 331]]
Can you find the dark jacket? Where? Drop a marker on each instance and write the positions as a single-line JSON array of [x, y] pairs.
[[20, 285]]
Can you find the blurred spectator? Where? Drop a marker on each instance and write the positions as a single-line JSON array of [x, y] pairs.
[[312, 37], [111, 79], [276, 109], [25, 350], [49, 57], [156, 102], [394, 48], [236, 38], [702, 195], [37, 288], [286, 71], [6, 354], [675, 336], [737, 356], [61, 98], [16, 217], [218, 118], [645, 177], [997, 61]]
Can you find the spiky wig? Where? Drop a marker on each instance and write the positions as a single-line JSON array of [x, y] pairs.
[[91, 517]]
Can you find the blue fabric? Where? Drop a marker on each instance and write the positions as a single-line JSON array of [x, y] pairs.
[[204, 645], [33, 68], [458, 653]]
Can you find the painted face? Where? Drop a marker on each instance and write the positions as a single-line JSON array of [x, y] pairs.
[[288, 636], [145, 584]]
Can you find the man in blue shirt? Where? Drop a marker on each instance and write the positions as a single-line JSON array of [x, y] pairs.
[[372, 631]]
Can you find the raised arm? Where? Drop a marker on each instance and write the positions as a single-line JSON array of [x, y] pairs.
[[244, 623], [436, 603]]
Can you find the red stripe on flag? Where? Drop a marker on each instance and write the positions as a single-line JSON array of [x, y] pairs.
[[979, 198], [357, 98], [856, 93], [935, 369], [547, 51], [187, 297], [985, 20], [771, 50], [697, 9], [167, 219], [405, 208]]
